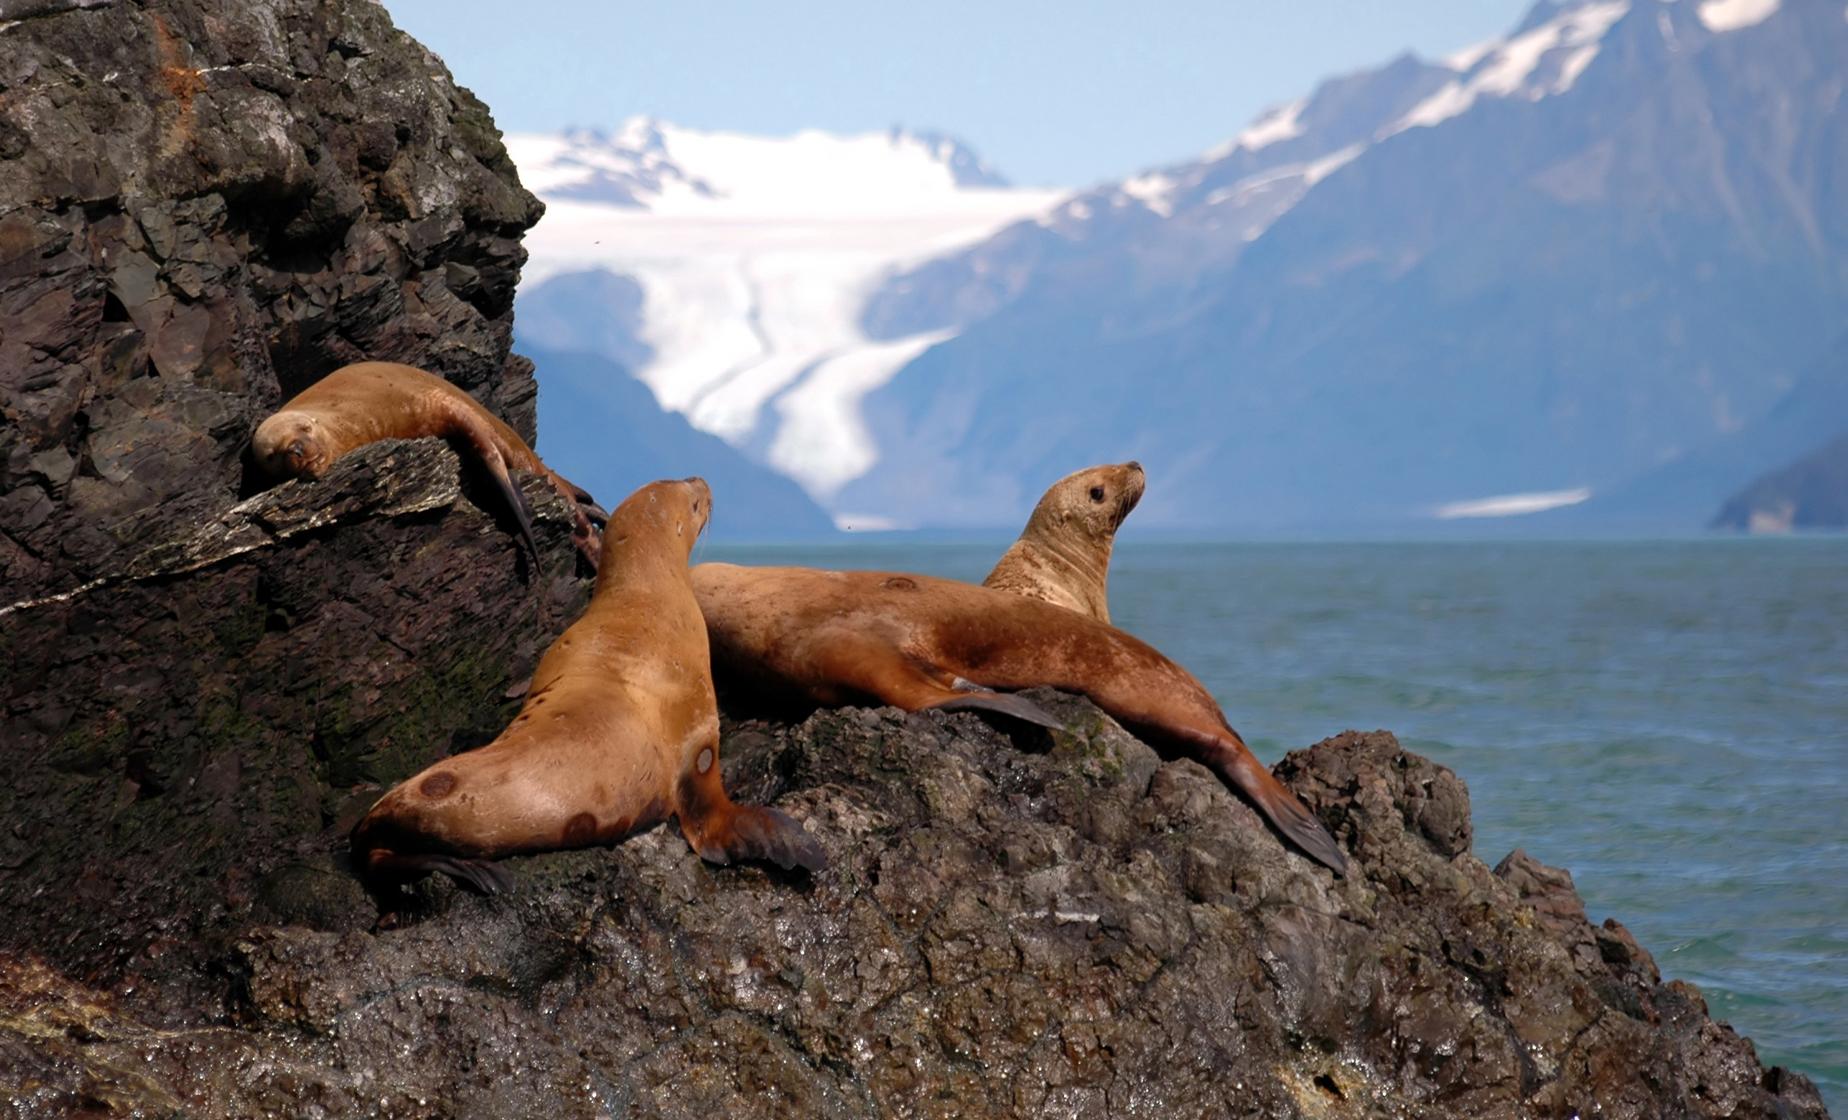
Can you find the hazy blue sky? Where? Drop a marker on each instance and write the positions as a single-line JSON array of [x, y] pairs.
[[1051, 93]]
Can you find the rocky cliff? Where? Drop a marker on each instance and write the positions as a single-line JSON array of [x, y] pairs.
[[204, 206], [207, 203]]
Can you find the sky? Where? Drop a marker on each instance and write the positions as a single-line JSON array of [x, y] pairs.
[[1066, 93]]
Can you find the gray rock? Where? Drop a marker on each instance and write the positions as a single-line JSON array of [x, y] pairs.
[[1060, 925]]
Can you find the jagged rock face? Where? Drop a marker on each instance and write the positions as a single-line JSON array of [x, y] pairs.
[[1063, 926], [204, 206], [188, 729]]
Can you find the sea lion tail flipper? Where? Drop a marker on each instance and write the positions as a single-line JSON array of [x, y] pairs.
[[479, 875], [759, 833], [1016, 707]]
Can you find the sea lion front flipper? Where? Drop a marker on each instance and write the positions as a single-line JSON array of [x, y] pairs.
[[479, 875], [721, 830], [878, 669], [760, 833], [1016, 707]]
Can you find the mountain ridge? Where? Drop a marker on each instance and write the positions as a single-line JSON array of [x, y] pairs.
[[1559, 262], [1444, 317]]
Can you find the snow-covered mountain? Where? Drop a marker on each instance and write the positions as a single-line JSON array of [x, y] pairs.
[[1168, 224], [645, 165], [734, 269], [1518, 277], [1543, 270]]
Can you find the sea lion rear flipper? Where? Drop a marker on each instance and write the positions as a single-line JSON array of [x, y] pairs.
[[1289, 816], [590, 517], [483, 441], [582, 497], [516, 501], [1017, 707], [759, 833]]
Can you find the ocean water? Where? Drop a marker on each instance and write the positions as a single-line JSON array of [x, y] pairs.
[[1668, 720]]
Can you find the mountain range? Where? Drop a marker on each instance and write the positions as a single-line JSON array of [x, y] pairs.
[[1596, 264]]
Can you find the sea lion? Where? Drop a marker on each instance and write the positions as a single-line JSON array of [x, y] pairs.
[[370, 401], [619, 730], [916, 642], [1063, 555]]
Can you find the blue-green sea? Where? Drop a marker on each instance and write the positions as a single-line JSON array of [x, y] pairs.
[[1668, 720]]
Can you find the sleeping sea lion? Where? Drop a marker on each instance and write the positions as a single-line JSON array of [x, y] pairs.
[[1063, 555], [620, 730], [370, 401], [915, 642]]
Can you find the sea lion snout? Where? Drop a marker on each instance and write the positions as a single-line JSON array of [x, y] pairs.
[[285, 446], [1135, 481], [701, 502]]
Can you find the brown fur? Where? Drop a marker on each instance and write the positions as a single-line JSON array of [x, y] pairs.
[[370, 401], [620, 714], [1063, 555], [840, 638]]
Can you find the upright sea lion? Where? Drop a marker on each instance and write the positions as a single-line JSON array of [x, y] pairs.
[[917, 642], [619, 731], [370, 401], [1063, 555]]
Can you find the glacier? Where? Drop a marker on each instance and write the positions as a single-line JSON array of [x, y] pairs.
[[755, 256]]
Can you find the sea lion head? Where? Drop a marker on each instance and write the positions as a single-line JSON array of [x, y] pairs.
[[1092, 502], [679, 507], [290, 445]]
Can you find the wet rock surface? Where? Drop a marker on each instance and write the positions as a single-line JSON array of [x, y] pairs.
[[1015, 923], [204, 206]]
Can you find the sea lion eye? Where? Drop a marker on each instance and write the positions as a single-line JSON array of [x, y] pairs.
[[1097, 493]]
